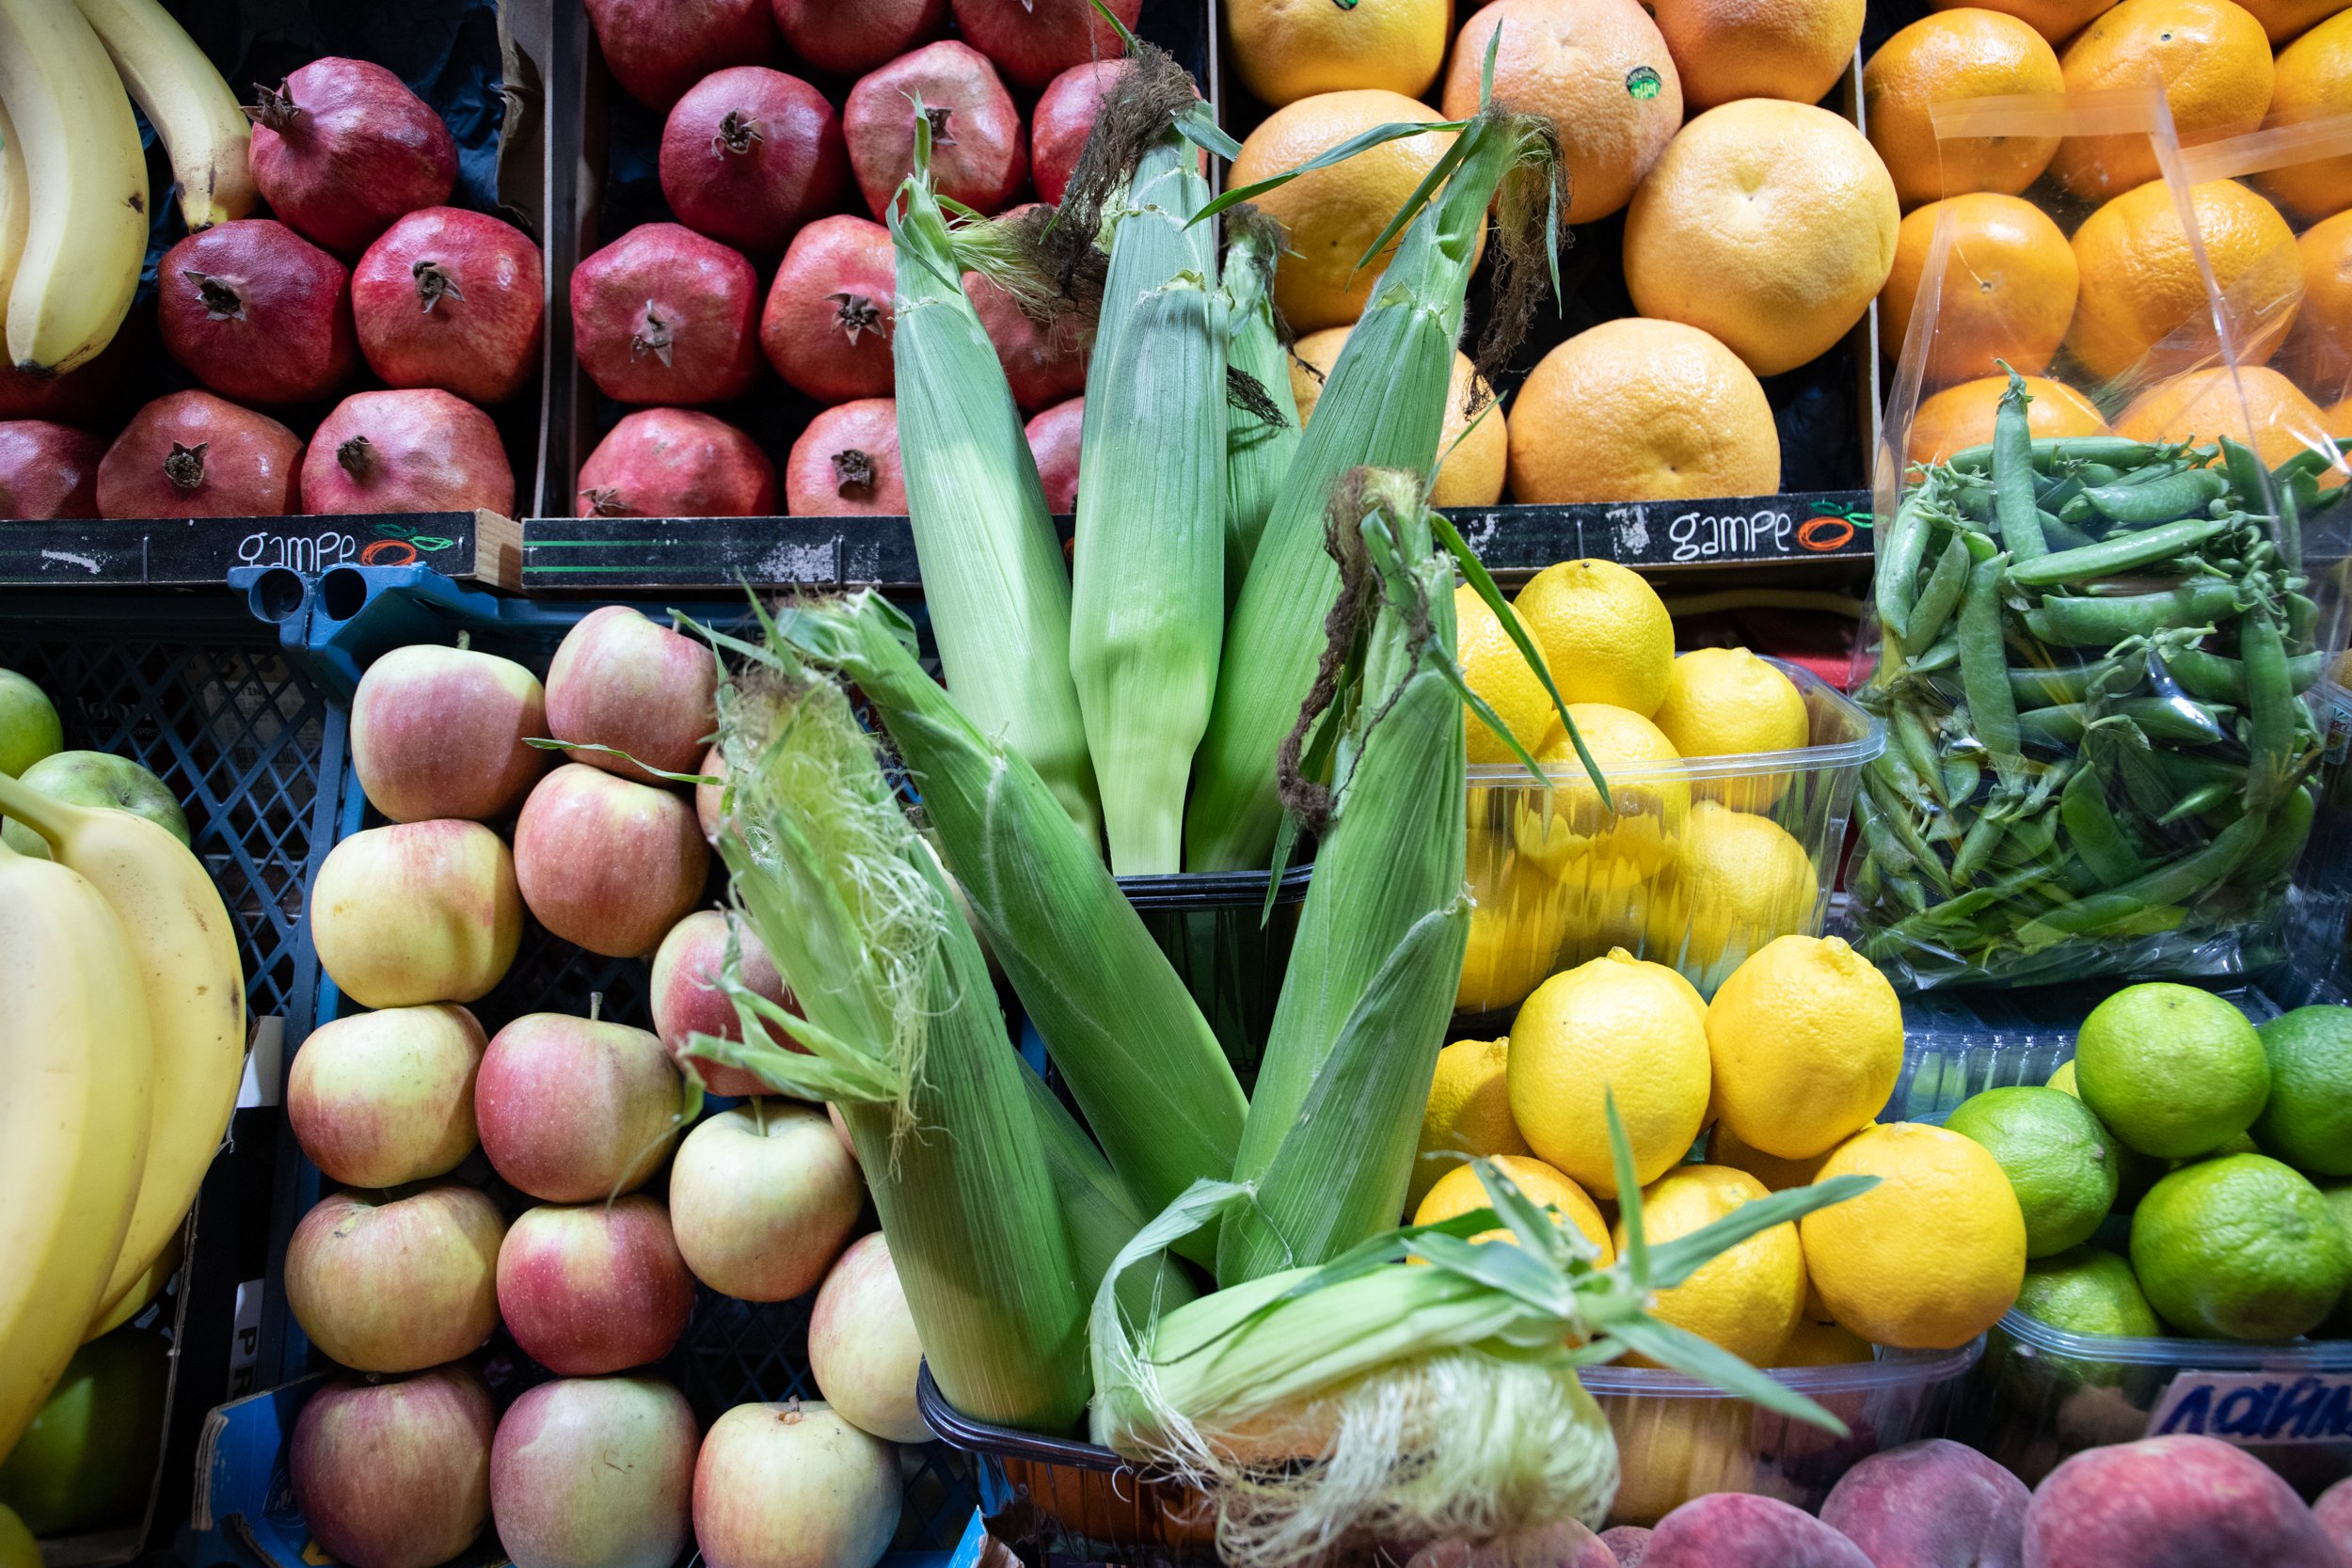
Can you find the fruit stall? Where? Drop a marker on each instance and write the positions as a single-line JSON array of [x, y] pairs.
[[1280, 784]]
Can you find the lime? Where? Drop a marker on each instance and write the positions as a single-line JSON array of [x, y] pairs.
[[2087, 1290], [2308, 1120], [2339, 1197], [2054, 1153], [2240, 1247], [2173, 1070]]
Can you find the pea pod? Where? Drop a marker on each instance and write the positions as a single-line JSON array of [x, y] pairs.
[[1984, 662], [2028, 841], [1939, 596], [2158, 500], [2173, 883], [1983, 836], [2197, 803], [2051, 729], [2047, 450], [2282, 843], [2217, 678], [2063, 534], [2012, 474], [1899, 553], [2269, 709], [2082, 622], [2097, 837], [1942, 657], [2111, 557], [2246, 475], [2065, 683]]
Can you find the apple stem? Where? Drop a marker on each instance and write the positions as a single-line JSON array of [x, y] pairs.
[[465, 641], [596, 1004], [759, 1113]]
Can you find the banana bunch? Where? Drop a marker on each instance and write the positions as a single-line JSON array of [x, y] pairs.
[[121, 1045], [73, 195]]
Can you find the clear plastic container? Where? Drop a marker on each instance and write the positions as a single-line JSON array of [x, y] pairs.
[[1678, 1439], [1702, 862]]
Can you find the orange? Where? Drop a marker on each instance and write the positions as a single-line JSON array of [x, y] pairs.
[[1953, 55], [1286, 50], [2283, 19], [1729, 48], [2007, 289], [2214, 62], [1598, 68], [1768, 224], [2314, 82], [2320, 350], [2143, 307], [1642, 410], [2055, 20], [1961, 417], [1332, 215], [2204, 405]]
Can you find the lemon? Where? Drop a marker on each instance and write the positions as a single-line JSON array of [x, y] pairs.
[[2063, 1080], [1611, 1026], [1820, 1344], [1745, 1299], [1724, 1147], [1604, 632], [1807, 1040], [1499, 673], [1670, 1450], [1737, 881], [1726, 702], [1571, 832], [1675, 977], [1459, 1191], [1469, 1114], [1930, 1256], [1516, 933]]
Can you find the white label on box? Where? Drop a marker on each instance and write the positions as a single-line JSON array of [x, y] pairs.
[[2256, 1407], [245, 1338], [265, 1063]]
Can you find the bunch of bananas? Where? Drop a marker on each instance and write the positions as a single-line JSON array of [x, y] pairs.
[[74, 195], [121, 1046]]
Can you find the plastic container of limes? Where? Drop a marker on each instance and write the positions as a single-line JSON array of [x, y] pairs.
[[1701, 863]]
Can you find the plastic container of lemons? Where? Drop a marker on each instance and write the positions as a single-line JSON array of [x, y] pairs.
[[1701, 863]]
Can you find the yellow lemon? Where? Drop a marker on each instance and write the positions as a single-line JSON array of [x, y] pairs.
[[1675, 977], [1726, 702], [1500, 675], [1474, 444], [1604, 632], [1287, 49], [1745, 1299], [1809, 1040], [2063, 1080], [1519, 927], [1607, 1027], [1819, 1344], [1459, 1191], [1930, 1256], [1724, 1147], [1738, 882], [1469, 1115], [1567, 830], [1670, 1450]]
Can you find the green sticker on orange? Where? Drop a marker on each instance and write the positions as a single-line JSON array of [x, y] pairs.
[[1643, 82]]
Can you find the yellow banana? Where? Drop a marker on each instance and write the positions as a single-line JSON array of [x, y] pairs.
[[15, 206], [143, 1289], [85, 234], [185, 951], [192, 108], [75, 1103]]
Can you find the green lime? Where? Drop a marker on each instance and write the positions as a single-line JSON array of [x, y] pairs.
[[2308, 1120], [2054, 1153], [2338, 1196], [2087, 1290], [2063, 1080], [2240, 1248], [2173, 1070]]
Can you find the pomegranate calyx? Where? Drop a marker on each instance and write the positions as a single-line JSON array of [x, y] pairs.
[[937, 114], [855, 313], [852, 470], [356, 456], [434, 284], [185, 466], [653, 336], [737, 132], [605, 502], [276, 109], [221, 302]]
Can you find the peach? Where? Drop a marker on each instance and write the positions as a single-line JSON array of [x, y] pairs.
[[2333, 1510], [687, 1000], [761, 1200], [386, 1284], [440, 732], [1935, 1504], [417, 911], [1629, 1542], [594, 1286], [1724, 1528], [608, 863], [1564, 1545], [576, 1110], [618, 680], [381, 1099], [395, 1475], [2171, 1503], [595, 1472]]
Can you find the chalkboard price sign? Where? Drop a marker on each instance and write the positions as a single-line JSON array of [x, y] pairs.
[[197, 552]]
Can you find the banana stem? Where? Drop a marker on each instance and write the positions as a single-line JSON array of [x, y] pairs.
[[52, 819]]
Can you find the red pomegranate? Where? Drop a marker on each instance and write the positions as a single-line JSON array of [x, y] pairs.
[[1044, 362], [1034, 40], [47, 470], [417, 451], [1063, 121], [1054, 442], [848, 37], [749, 154], [677, 463], [660, 48], [826, 327], [98, 393], [662, 315], [256, 312], [979, 156], [192, 455], [344, 148], [845, 463], [452, 299]]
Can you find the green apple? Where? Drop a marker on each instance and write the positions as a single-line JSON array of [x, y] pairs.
[[18, 1549], [89, 1456], [101, 779], [29, 727]]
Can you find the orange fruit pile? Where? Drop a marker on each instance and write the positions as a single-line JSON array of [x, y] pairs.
[[2215, 64], [1961, 417], [1948, 57], [2143, 309], [2007, 292]]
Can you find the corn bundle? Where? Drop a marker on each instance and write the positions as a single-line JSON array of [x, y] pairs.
[[1260, 438]]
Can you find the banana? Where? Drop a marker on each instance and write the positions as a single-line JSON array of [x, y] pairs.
[[15, 203], [74, 1107], [143, 1289], [85, 234], [185, 950], [192, 108]]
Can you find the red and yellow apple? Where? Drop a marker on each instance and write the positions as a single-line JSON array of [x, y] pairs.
[[687, 1000], [440, 731], [387, 1283], [576, 1110], [608, 863], [863, 1349], [793, 1485], [621, 681], [711, 797], [395, 1474], [417, 911], [761, 1198], [594, 1286], [381, 1099], [595, 1472]]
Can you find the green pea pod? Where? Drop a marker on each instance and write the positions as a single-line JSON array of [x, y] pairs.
[[1983, 836], [1899, 553], [2063, 534], [1984, 662], [2111, 557], [1884, 821], [1939, 597], [2176, 720], [2197, 803], [2158, 500], [2048, 449], [2066, 621], [2291, 527], [2065, 683], [2302, 619], [2105, 848], [1962, 773], [2012, 474], [2217, 678], [2089, 474], [2269, 709], [2247, 476], [2174, 883], [2057, 728], [2283, 841], [1917, 745], [2028, 841]]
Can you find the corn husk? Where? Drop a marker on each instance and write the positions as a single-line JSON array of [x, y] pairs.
[[1260, 438]]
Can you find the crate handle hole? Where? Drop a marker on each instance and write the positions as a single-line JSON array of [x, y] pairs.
[[342, 592], [277, 595]]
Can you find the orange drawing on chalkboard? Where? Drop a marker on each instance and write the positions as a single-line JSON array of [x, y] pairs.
[[1829, 528]]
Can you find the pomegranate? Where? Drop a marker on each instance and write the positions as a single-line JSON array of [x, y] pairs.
[[1063, 119], [97, 392], [47, 470], [256, 312], [1054, 442], [979, 156], [845, 463], [662, 315], [452, 299], [657, 49], [417, 451], [1044, 361], [1034, 40], [826, 327], [675, 463], [192, 455], [848, 37], [749, 154], [343, 148]]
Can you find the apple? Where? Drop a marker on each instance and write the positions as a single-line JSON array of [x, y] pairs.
[[89, 1459], [594, 1286], [387, 1283], [440, 731], [687, 1000], [575, 1110], [710, 799], [863, 1349], [381, 1099], [96, 779], [606, 863], [761, 1198], [618, 680], [793, 1485], [395, 1475], [595, 1472], [29, 726], [18, 1549], [417, 911]]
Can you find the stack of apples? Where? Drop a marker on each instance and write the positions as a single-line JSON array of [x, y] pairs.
[[404, 1274]]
